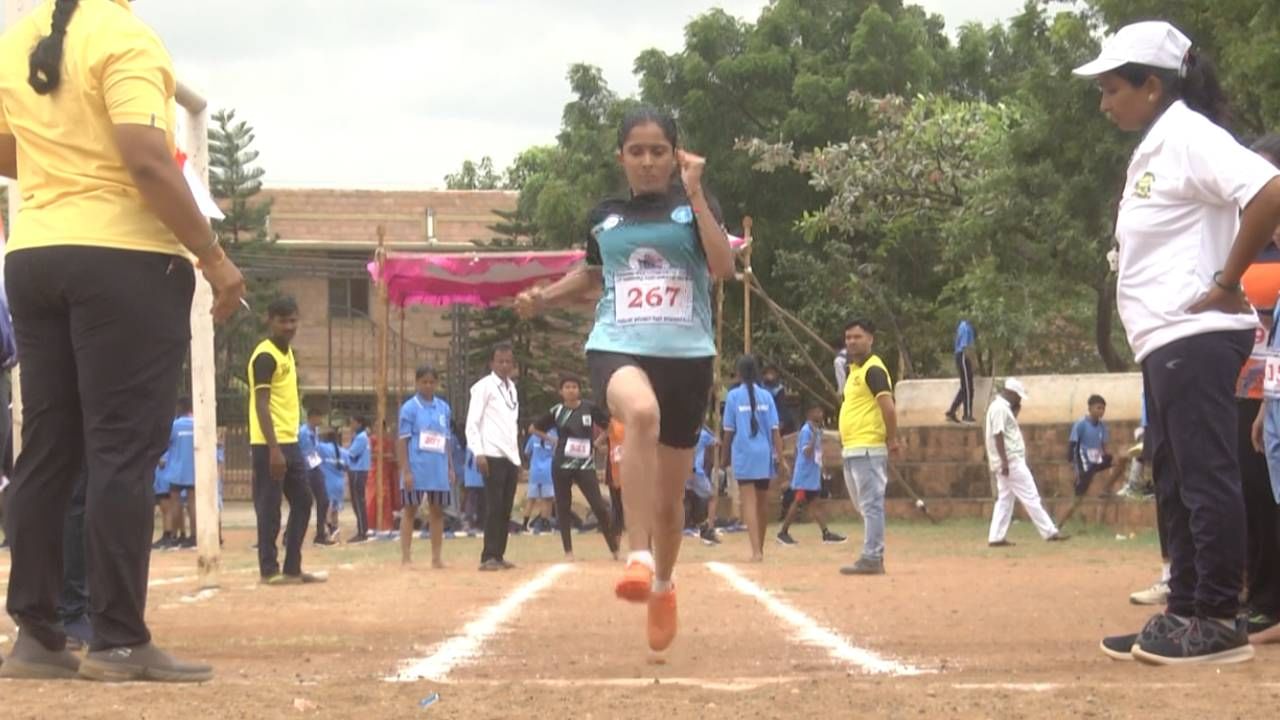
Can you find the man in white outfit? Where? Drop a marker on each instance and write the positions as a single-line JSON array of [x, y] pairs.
[[1007, 455]]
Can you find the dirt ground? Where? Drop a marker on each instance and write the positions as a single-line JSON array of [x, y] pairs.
[[1009, 633]]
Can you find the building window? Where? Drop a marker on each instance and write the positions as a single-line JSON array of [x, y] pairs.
[[349, 297]]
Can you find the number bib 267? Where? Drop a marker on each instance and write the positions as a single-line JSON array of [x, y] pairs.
[[653, 297]]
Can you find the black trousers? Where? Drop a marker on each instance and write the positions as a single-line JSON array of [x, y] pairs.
[[359, 478], [73, 601], [101, 335], [589, 484], [499, 496], [964, 397], [1192, 425], [267, 495], [320, 496], [1263, 545], [615, 502]]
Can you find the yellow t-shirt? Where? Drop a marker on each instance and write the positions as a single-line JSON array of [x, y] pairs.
[[861, 422], [286, 409], [74, 184]]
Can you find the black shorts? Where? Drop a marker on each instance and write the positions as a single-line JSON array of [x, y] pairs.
[[1084, 478], [682, 386], [757, 483]]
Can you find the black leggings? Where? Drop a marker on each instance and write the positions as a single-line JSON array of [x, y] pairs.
[[319, 493], [615, 503], [589, 484], [358, 505]]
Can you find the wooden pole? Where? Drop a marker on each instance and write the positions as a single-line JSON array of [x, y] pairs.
[[791, 334], [746, 286], [400, 390], [203, 369], [794, 320], [384, 320]]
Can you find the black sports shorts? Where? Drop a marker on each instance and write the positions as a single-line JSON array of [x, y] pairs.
[[681, 385]]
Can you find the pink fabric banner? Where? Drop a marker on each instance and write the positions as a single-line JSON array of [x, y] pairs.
[[478, 279]]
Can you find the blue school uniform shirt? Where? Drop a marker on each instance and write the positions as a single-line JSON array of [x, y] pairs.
[[808, 466], [964, 336], [541, 454], [307, 442], [752, 456], [426, 425], [705, 440], [1089, 440], [472, 477], [359, 452], [333, 466], [182, 452], [163, 473]]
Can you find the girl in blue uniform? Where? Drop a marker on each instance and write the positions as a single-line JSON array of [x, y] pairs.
[[423, 452], [651, 257], [806, 480], [753, 442], [540, 453], [333, 466], [358, 472]]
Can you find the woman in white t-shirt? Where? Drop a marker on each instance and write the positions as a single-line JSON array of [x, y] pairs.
[[1196, 210]]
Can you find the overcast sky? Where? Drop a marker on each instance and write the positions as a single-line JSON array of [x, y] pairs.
[[397, 93]]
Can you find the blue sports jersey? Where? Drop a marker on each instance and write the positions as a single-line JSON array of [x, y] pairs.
[[808, 466], [182, 452], [334, 468], [705, 440], [541, 455], [964, 336], [752, 456], [1089, 439], [426, 425], [161, 482], [359, 452], [472, 477], [657, 287]]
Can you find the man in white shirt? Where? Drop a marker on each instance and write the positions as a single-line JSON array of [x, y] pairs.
[[493, 418], [1007, 456]]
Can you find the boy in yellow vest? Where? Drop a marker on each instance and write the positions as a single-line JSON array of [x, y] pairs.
[[868, 435], [278, 466]]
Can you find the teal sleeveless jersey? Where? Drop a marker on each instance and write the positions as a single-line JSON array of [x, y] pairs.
[[657, 288]]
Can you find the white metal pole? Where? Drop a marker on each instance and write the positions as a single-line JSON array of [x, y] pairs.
[[203, 375]]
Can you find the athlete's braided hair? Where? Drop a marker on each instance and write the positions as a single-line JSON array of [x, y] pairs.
[[45, 62], [749, 374]]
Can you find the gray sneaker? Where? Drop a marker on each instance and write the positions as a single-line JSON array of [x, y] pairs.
[[29, 660], [490, 566], [143, 662], [1120, 647], [1200, 640], [864, 566]]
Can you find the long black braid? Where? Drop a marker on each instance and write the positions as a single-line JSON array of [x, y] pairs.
[[45, 63], [749, 374]]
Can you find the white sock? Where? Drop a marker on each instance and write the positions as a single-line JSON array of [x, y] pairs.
[[1166, 573], [661, 586], [644, 557]]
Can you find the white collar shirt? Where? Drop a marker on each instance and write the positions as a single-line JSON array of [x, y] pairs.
[[1179, 216], [493, 418]]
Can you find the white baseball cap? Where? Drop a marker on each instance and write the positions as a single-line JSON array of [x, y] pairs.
[[1016, 387], [1154, 43]]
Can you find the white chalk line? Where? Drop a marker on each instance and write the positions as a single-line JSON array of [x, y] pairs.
[[737, 684], [811, 632], [1042, 687], [466, 646]]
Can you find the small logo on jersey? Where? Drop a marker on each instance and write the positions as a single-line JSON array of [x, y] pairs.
[[1142, 188], [647, 259], [682, 215], [610, 223], [586, 421]]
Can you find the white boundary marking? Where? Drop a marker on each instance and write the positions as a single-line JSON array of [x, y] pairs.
[[465, 647], [738, 684], [810, 632]]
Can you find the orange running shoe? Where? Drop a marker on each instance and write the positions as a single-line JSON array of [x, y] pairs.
[[662, 619], [635, 584]]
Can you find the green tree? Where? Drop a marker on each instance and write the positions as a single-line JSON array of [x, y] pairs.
[[475, 176], [235, 180]]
